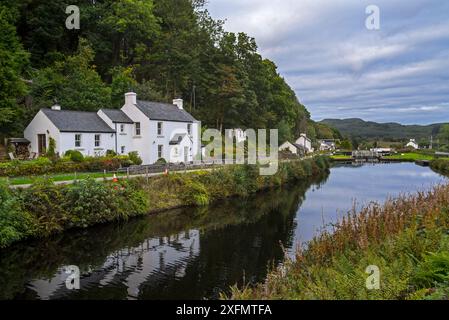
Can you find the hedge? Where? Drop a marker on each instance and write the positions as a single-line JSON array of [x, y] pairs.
[[44, 165]]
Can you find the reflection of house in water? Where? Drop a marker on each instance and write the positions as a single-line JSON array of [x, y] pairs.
[[131, 266]]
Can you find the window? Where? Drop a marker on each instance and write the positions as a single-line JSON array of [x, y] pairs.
[[160, 149], [97, 140], [159, 128], [122, 128], [77, 140], [189, 129], [137, 128], [122, 149]]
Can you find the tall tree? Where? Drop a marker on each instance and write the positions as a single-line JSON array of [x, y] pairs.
[[74, 82], [13, 61]]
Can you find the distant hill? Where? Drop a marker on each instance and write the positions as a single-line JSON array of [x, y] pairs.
[[358, 128]]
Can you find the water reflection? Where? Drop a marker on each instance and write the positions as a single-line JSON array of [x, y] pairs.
[[183, 254], [198, 253]]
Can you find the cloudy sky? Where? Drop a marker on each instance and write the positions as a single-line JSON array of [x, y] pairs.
[[339, 68]]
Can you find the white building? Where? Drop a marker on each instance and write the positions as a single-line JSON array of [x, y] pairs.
[[292, 148], [413, 144], [305, 142], [327, 145], [155, 130]]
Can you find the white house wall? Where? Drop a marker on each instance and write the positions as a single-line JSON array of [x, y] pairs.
[[107, 142], [41, 125], [169, 130]]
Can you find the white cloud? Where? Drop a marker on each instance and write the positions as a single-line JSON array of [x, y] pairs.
[[339, 68]]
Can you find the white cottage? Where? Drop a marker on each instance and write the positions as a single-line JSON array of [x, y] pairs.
[[305, 142], [71, 130], [155, 130], [413, 144], [292, 148]]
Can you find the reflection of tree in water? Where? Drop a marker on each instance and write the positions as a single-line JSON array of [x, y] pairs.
[[185, 253]]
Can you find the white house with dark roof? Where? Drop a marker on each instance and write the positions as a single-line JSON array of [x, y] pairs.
[[155, 130], [305, 142], [71, 130]]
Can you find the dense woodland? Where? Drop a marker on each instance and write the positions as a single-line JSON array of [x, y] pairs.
[[160, 49]]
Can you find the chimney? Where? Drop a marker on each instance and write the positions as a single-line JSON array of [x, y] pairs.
[[56, 107], [179, 103], [130, 98]]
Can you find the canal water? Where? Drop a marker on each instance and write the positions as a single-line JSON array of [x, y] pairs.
[[197, 253]]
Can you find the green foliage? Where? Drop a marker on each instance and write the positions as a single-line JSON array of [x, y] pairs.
[[44, 165], [75, 155], [51, 151], [14, 60], [135, 159], [433, 270], [44, 201], [89, 202], [41, 165], [15, 223], [440, 165], [73, 81], [161, 161], [122, 81], [195, 193], [160, 49], [110, 153], [346, 144]]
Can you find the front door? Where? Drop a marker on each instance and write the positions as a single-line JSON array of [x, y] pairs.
[[186, 154], [41, 144]]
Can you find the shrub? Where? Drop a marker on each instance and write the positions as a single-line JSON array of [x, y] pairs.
[[110, 153], [89, 202], [195, 193], [45, 202], [75, 155], [51, 151], [161, 161], [135, 159], [15, 223]]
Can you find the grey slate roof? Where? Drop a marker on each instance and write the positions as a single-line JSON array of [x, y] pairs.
[[177, 139], [164, 111], [77, 121], [117, 116], [298, 146]]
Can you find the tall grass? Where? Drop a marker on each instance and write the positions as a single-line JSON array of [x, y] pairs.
[[407, 238]]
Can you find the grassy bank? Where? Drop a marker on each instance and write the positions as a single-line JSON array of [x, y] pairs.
[[45, 208], [440, 166], [407, 238], [410, 156]]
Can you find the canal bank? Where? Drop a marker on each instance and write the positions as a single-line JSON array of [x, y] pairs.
[[199, 252], [396, 250], [45, 209]]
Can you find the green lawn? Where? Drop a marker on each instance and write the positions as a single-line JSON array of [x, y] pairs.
[[341, 157], [59, 177], [411, 156]]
